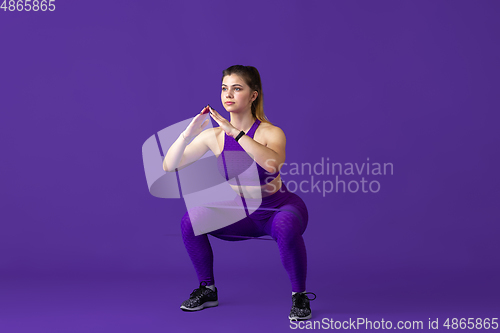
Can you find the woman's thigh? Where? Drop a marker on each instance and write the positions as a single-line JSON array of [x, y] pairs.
[[213, 216], [256, 224], [226, 220], [293, 210]]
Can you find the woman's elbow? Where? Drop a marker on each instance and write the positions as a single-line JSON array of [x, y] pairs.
[[166, 168], [271, 166]]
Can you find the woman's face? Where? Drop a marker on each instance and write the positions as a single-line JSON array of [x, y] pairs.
[[236, 95]]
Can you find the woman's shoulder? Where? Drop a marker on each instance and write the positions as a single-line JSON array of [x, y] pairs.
[[269, 131]]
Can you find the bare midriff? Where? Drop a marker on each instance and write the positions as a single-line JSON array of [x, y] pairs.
[[262, 191]]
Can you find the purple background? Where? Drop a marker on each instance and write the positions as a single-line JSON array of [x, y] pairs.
[[85, 246]]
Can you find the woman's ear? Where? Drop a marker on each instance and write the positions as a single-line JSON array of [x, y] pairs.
[[255, 94]]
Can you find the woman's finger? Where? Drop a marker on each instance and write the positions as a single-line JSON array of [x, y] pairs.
[[214, 115], [198, 118], [220, 120], [205, 123], [217, 115], [216, 120], [213, 110]]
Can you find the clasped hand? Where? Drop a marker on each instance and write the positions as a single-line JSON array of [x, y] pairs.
[[200, 121]]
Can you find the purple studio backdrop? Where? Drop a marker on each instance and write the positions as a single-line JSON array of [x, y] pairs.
[[411, 86]]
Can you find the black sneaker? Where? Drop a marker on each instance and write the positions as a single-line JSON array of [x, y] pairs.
[[201, 298], [301, 309]]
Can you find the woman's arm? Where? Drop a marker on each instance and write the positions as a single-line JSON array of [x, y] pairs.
[[174, 154], [271, 157], [181, 154]]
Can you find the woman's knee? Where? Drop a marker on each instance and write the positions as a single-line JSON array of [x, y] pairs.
[[300, 209], [287, 225], [297, 214]]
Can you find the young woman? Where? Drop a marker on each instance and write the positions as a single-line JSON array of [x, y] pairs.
[[281, 214]]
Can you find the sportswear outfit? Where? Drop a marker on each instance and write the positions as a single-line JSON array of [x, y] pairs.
[[282, 215]]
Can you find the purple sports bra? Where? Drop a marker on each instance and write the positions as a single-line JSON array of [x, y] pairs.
[[234, 161]]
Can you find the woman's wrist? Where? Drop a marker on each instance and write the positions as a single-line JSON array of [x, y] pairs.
[[234, 132], [239, 136]]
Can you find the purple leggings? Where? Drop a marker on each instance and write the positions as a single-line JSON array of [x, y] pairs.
[[282, 215]]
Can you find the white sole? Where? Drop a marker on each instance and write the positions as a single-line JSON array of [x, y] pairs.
[[201, 307], [300, 318]]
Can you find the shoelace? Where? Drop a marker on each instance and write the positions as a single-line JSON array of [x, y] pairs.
[[299, 299], [199, 291]]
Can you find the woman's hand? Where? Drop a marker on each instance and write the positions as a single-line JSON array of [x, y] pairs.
[[197, 124], [224, 124]]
